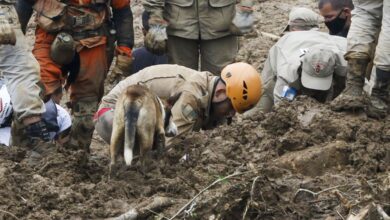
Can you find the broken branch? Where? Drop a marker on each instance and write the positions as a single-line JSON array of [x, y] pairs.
[[9, 213], [204, 190], [251, 198], [315, 194]]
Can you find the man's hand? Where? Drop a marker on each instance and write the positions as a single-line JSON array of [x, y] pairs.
[[242, 22], [7, 34], [123, 63], [156, 38]]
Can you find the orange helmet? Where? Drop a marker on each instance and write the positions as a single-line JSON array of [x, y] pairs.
[[243, 85]]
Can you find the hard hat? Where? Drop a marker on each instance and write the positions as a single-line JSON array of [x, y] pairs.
[[243, 85]]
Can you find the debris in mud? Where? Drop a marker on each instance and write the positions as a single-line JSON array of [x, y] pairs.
[[301, 161], [336, 167]]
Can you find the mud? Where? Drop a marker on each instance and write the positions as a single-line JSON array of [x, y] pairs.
[[301, 161], [346, 156]]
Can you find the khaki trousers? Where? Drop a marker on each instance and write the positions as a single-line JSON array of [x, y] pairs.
[[20, 71], [369, 18], [203, 55]]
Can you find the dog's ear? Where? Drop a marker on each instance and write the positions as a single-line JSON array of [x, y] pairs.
[[172, 100]]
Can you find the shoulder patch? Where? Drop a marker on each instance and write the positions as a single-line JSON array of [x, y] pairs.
[[189, 112]]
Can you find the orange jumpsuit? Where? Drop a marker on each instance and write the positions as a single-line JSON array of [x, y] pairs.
[[93, 66]]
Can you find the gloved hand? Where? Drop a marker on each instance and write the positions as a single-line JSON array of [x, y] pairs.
[[156, 39], [242, 22], [7, 34], [123, 64], [38, 130]]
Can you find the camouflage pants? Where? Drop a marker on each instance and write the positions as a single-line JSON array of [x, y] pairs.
[[82, 123]]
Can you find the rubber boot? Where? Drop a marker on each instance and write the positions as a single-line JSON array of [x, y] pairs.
[[18, 135], [377, 106], [352, 97], [82, 124]]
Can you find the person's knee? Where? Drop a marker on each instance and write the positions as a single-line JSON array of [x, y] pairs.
[[104, 119]]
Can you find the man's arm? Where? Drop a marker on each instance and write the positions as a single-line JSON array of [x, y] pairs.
[[341, 63], [24, 8], [123, 19], [154, 7], [268, 77], [185, 114]]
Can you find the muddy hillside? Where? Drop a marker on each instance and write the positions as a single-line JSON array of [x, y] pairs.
[[301, 161]]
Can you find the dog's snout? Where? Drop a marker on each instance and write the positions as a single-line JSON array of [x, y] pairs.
[[172, 130]]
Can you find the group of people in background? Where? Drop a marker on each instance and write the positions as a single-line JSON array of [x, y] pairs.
[[189, 48]]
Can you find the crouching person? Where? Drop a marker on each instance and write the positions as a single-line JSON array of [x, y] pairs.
[[205, 100], [56, 119], [305, 61]]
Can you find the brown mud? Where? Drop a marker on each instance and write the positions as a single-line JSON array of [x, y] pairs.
[[276, 157], [301, 161]]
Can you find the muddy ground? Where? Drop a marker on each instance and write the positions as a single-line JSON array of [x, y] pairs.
[[301, 161]]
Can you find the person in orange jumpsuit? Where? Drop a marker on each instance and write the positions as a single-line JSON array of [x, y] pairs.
[[74, 42]]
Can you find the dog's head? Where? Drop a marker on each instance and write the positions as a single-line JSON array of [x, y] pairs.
[[169, 126]]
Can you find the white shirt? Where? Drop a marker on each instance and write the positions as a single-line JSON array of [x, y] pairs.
[[284, 59], [63, 119]]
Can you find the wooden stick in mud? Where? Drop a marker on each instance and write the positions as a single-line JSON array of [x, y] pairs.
[[204, 190], [382, 212], [322, 191], [251, 198], [269, 35], [9, 213]]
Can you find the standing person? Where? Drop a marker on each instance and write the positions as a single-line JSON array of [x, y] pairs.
[[205, 100], [21, 75], [304, 61], [368, 19], [75, 37], [337, 15], [198, 30]]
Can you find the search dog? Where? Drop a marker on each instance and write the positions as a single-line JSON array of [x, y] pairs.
[[141, 120]]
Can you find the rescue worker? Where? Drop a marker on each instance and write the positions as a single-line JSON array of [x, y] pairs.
[[304, 61], [56, 118], [205, 100], [368, 19], [337, 15], [75, 37], [198, 30], [21, 74]]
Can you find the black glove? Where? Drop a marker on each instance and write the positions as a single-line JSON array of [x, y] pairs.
[[38, 130]]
